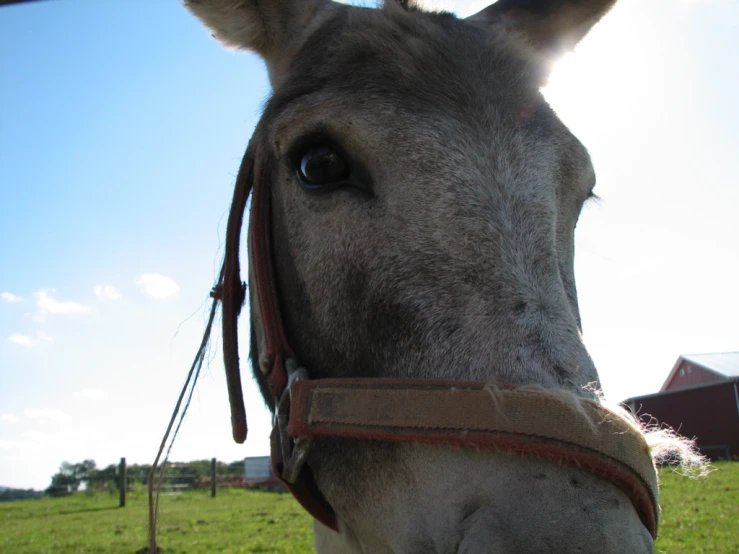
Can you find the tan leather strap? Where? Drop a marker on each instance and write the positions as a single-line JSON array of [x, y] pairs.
[[550, 425]]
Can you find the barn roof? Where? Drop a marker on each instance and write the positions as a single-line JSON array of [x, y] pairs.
[[725, 363], [719, 383]]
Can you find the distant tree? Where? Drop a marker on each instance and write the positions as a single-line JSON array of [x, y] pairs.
[[83, 470], [138, 473], [106, 478], [7, 495], [70, 477], [236, 468]]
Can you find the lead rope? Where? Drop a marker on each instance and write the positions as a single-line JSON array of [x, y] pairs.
[[155, 478], [230, 291]]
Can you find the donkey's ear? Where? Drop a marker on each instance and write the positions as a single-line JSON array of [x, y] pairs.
[[550, 27], [268, 27]]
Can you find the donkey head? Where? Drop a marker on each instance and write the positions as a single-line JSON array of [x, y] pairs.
[[424, 202]]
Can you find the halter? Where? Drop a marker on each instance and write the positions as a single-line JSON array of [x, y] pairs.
[[524, 420]]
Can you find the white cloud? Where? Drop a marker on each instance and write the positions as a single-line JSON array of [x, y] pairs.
[[19, 445], [106, 292], [27, 340], [158, 286], [47, 413], [10, 418], [23, 340], [10, 297], [48, 305], [35, 435], [92, 394]]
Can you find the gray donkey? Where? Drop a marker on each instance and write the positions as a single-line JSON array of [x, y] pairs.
[[423, 202]]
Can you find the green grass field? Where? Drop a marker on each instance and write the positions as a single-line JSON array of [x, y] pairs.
[[702, 515], [698, 517]]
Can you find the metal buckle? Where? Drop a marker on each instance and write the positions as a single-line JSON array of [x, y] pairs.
[[294, 451]]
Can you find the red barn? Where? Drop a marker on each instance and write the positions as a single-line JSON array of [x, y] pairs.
[[700, 398]]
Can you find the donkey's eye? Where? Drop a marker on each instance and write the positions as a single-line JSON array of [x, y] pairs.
[[322, 166]]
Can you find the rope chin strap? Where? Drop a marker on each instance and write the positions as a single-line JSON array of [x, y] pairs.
[[520, 420]]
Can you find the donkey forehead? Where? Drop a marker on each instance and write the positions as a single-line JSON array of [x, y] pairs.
[[382, 72], [426, 61]]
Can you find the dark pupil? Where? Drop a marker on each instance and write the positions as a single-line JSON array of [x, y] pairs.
[[321, 165]]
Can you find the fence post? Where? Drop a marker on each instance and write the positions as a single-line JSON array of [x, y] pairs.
[[122, 482], [213, 478]]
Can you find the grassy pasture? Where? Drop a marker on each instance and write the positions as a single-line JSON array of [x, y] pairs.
[[699, 517], [236, 521], [702, 515]]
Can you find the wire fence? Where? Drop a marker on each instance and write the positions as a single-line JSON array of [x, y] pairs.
[[180, 477]]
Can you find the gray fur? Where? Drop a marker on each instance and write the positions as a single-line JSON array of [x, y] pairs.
[[455, 262]]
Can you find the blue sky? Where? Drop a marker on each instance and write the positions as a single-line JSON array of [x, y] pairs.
[[122, 125]]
